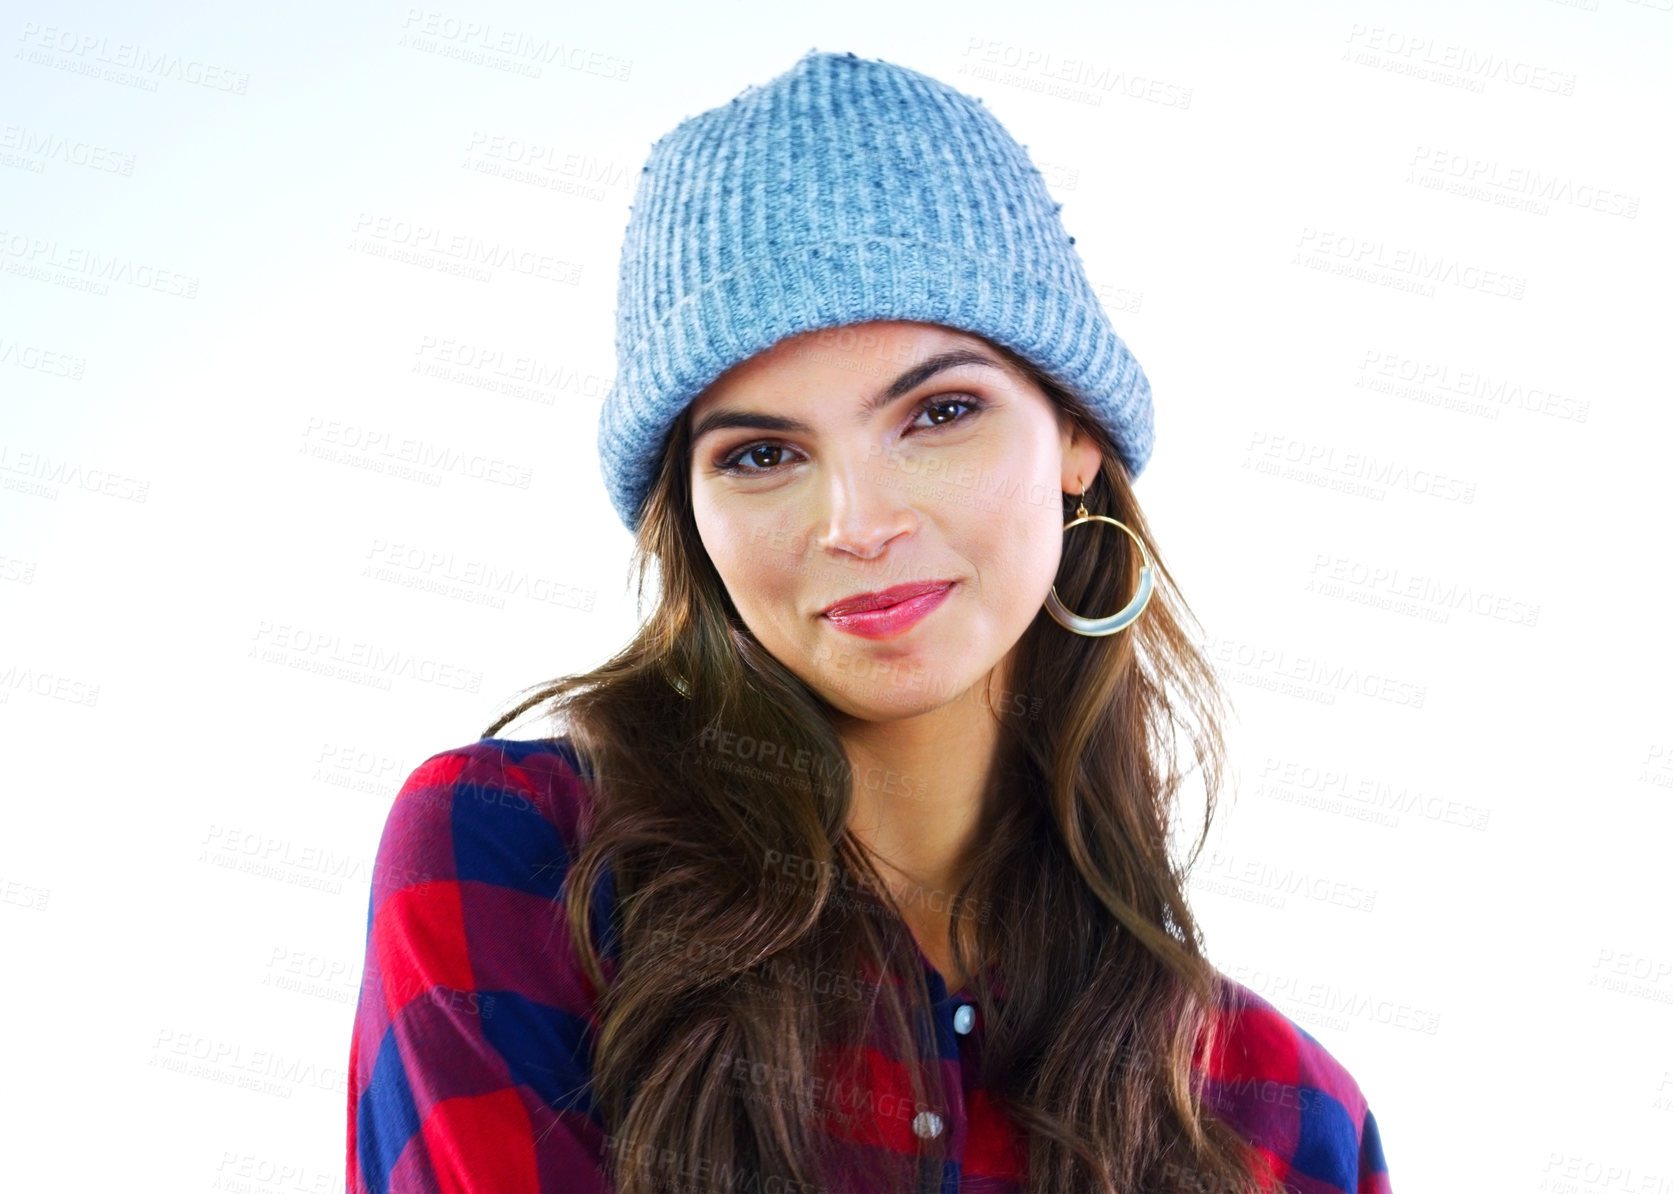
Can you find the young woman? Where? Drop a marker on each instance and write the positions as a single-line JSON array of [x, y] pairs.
[[854, 870]]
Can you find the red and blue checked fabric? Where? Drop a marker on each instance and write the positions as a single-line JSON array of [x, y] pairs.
[[469, 1060]]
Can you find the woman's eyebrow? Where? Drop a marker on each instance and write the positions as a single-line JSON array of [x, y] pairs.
[[911, 379]]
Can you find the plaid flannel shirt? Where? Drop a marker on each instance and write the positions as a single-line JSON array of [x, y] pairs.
[[470, 1055]]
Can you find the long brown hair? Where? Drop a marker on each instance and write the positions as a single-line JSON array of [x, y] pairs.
[[750, 919]]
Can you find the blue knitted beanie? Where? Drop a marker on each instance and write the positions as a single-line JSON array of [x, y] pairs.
[[844, 190]]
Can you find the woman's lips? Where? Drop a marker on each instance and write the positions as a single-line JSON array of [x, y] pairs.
[[891, 619]]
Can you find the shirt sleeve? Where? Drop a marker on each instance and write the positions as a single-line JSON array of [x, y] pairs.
[[469, 1064], [1373, 1169], [1294, 1102]]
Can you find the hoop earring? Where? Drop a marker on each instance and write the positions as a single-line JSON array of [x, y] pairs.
[[1128, 614]]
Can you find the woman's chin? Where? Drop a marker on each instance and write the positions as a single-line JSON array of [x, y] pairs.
[[910, 694]]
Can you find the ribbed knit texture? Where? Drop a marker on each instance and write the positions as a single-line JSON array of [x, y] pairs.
[[845, 190]]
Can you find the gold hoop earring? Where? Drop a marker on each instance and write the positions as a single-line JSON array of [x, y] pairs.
[[1095, 627]]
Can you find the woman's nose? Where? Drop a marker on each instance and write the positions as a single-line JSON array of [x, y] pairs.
[[864, 507]]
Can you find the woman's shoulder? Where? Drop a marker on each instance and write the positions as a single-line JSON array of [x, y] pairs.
[[1260, 1045], [497, 781], [548, 772], [498, 810], [471, 1045], [1288, 1094]]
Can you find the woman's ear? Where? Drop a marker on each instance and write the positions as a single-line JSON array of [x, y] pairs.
[[1081, 460]]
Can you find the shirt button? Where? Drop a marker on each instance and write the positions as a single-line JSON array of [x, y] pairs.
[[964, 1018], [927, 1124]]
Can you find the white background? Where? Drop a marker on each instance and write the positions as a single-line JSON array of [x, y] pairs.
[[1417, 505]]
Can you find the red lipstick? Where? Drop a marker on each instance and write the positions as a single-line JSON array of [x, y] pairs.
[[888, 612]]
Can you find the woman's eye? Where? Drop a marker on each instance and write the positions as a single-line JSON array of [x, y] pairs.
[[752, 452], [943, 403]]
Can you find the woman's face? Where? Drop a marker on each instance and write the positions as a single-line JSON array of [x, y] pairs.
[[851, 460]]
